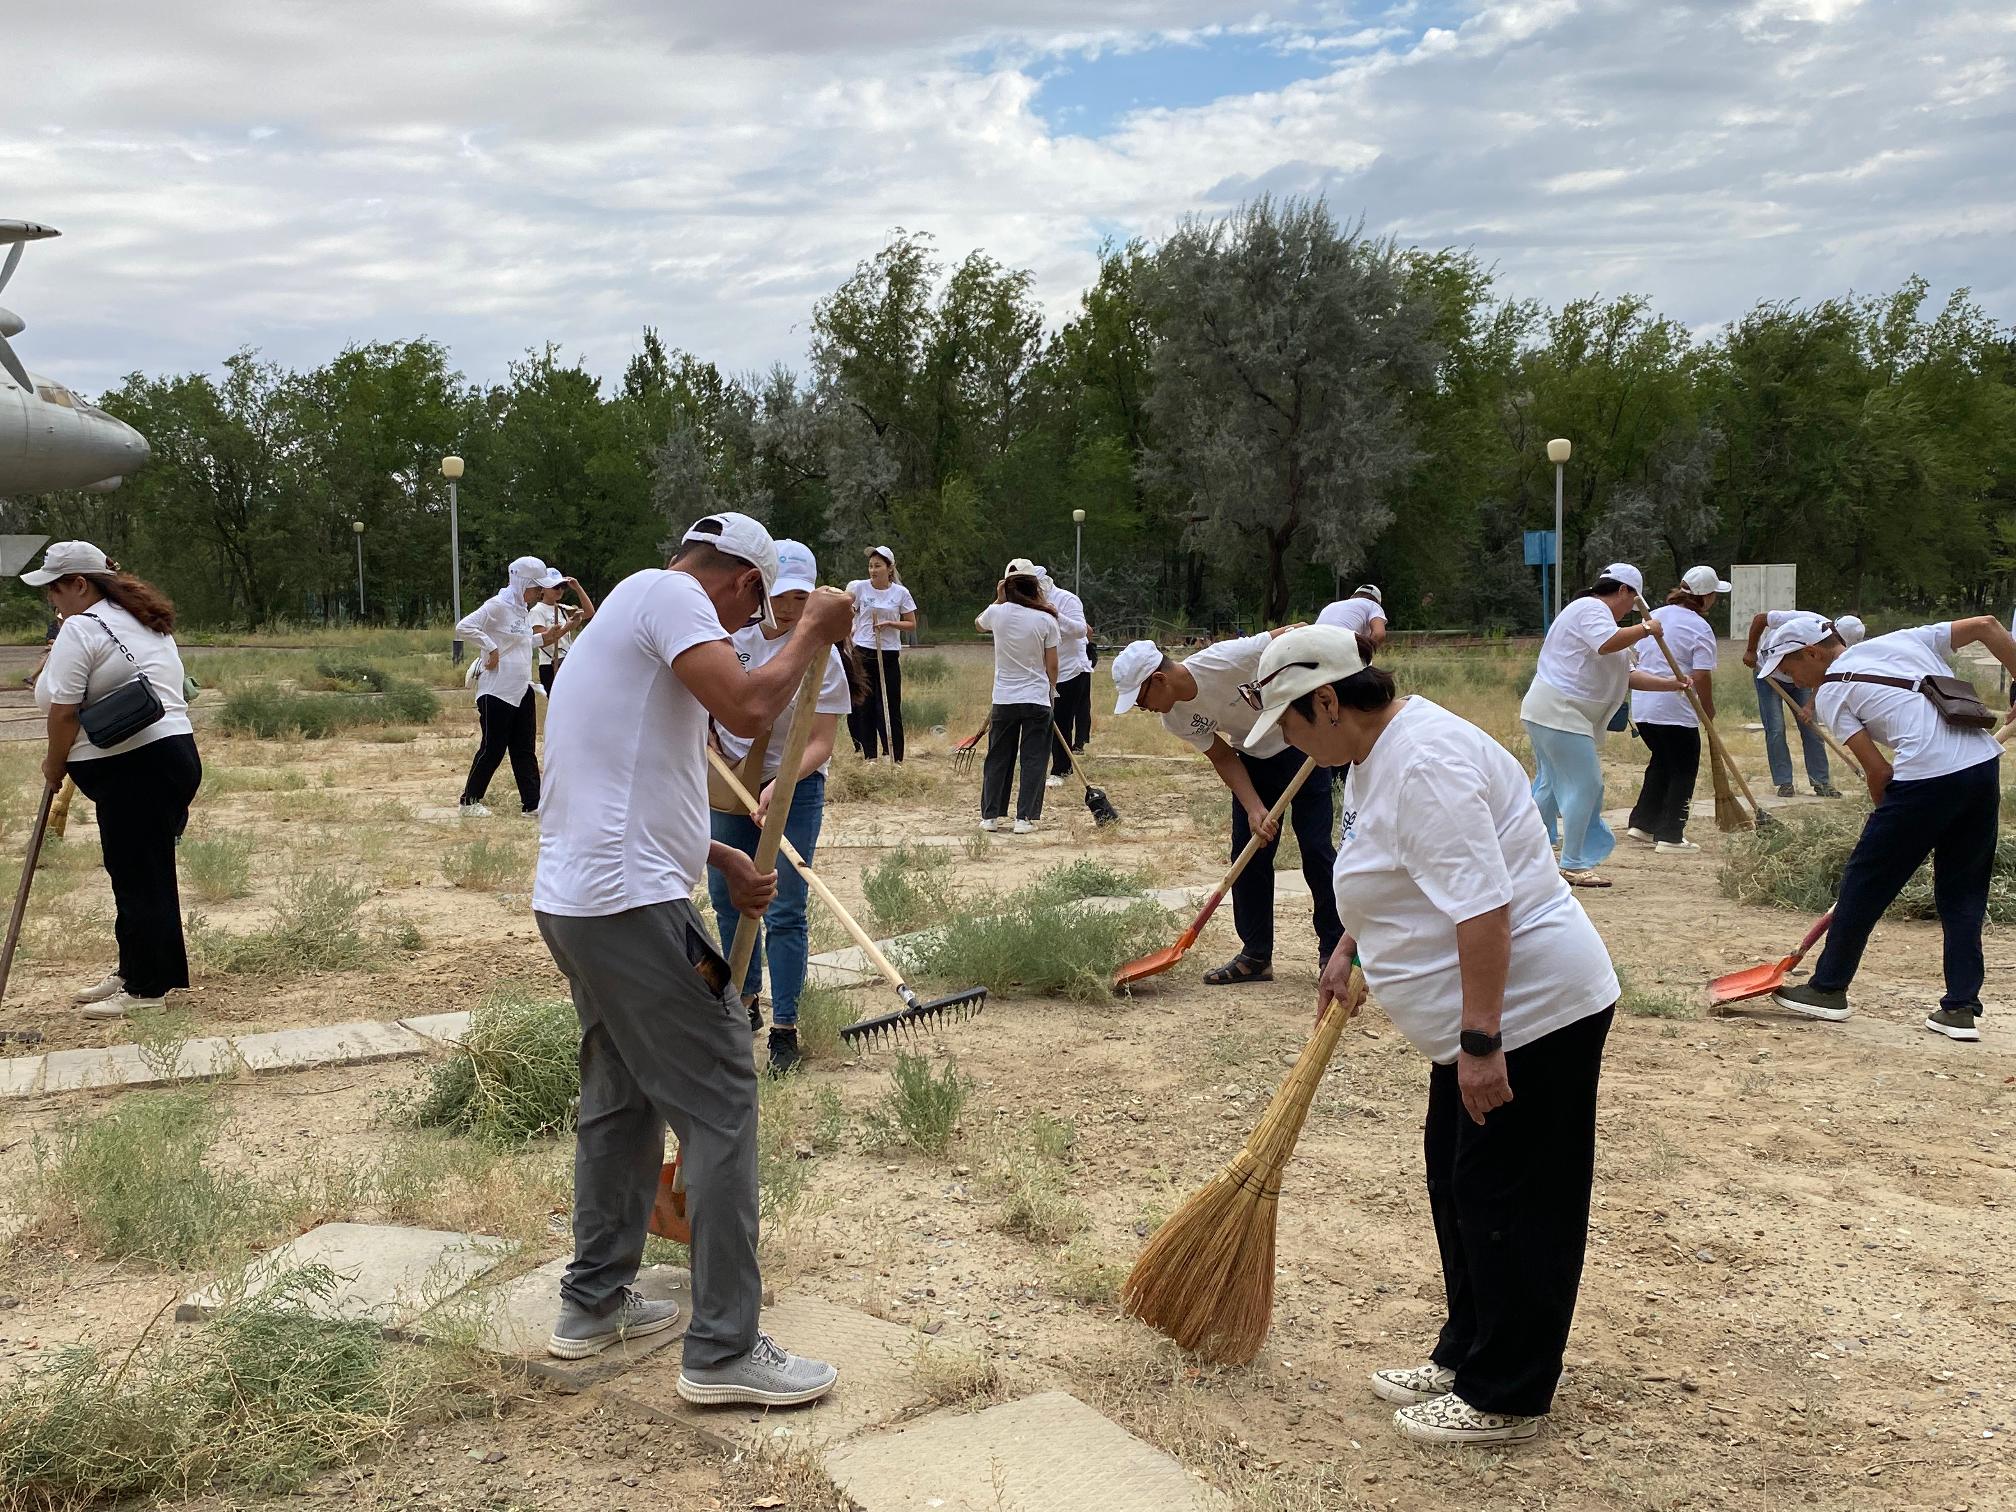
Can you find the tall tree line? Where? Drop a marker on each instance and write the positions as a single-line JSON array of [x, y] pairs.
[[1254, 410]]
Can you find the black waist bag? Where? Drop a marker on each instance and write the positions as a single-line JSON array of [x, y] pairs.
[[1954, 697], [125, 711]]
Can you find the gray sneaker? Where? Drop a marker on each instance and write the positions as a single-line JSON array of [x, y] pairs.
[[767, 1376], [1954, 1023], [579, 1333], [1814, 1003]]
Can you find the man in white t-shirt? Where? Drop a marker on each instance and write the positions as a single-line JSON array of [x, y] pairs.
[[664, 1037], [1026, 635], [1201, 704], [1941, 797], [1074, 674], [1363, 613], [1771, 709]]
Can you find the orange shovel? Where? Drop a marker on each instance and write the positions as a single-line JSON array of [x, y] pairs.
[[668, 1212], [1756, 981]]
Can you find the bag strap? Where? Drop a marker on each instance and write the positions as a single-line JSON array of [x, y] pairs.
[[87, 614], [1908, 684]]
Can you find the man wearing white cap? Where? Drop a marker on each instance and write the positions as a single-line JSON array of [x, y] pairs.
[[1666, 721], [1363, 613], [503, 631], [664, 1037], [1200, 703], [883, 610], [1483, 959], [1771, 708], [1074, 675], [1940, 797]]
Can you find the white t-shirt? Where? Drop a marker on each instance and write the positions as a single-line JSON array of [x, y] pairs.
[[623, 811], [754, 648], [1691, 639], [1218, 709], [1439, 827], [544, 616], [872, 604], [1570, 661], [1354, 614], [502, 623], [1021, 635], [1922, 744], [84, 666], [1072, 659]]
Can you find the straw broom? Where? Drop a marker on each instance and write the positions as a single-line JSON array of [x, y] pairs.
[[1206, 1278]]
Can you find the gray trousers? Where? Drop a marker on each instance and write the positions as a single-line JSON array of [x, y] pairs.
[[659, 1047]]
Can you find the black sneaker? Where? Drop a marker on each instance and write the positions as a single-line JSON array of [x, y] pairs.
[[1786, 790], [1954, 1023], [1811, 1001], [1826, 790], [784, 1056]]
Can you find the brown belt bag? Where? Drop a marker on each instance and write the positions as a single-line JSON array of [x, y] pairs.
[[1954, 697]]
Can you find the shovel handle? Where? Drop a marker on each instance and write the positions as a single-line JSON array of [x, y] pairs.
[[1820, 927], [1254, 846], [1825, 734], [35, 838]]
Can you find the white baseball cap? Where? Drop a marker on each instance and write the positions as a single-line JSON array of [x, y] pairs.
[[1299, 662], [1022, 567], [65, 558], [531, 572], [1370, 591], [1796, 634], [744, 538], [886, 553], [1625, 573], [1851, 630], [1703, 580], [1137, 662], [797, 568]]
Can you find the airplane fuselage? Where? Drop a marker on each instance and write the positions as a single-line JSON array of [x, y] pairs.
[[52, 439]]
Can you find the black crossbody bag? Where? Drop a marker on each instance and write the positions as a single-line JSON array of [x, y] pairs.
[[125, 711], [1954, 697]]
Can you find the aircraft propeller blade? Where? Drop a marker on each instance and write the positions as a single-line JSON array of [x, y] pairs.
[[13, 365], [13, 260]]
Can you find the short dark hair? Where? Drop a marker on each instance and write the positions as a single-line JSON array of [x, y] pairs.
[[701, 556], [1603, 587], [1367, 690]]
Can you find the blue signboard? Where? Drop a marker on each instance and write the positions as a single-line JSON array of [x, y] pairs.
[[1540, 548]]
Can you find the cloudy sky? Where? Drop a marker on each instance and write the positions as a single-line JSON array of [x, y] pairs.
[[298, 174]]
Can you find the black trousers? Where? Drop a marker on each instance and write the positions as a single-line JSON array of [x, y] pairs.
[[1510, 1198], [547, 672], [507, 729], [1661, 809], [1074, 718], [864, 724], [1310, 815], [143, 799], [1017, 737], [1952, 819]]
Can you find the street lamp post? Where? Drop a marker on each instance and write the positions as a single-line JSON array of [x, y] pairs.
[[1557, 452], [1078, 551], [451, 469], [357, 528]]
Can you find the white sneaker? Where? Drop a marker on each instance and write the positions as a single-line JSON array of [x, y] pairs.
[[1677, 848], [475, 811], [1025, 826], [112, 986], [119, 1006], [1640, 835], [992, 826], [1053, 782], [1451, 1420], [1422, 1383]]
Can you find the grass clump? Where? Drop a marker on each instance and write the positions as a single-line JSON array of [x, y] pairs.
[[514, 1077], [348, 673], [926, 670], [317, 926], [926, 711], [1041, 949], [1028, 1170], [1796, 862], [1081, 879], [270, 712], [217, 867], [922, 1106], [484, 865], [822, 1013], [952, 1377], [909, 888], [1641, 1002]]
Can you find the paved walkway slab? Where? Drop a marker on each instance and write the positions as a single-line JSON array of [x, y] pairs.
[[517, 1317], [385, 1273], [130, 1066], [21, 1075], [1047, 1453], [327, 1044], [450, 1027]]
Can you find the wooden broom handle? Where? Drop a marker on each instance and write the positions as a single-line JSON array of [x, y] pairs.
[[1826, 734], [812, 879], [35, 838], [803, 713], [1716, 750]]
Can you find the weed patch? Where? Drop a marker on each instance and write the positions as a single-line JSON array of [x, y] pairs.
[[1041, 949], [922, 1106], [484, 865], [317, 926], [955, 1377], [1081, 879], [1641, 1002], [822, 1013], [514, 1077], [926, 669], [269, 711], [909, 888], [218, 867], [1027, 1170]]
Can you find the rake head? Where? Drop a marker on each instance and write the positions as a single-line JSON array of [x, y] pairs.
[[1101, 806], [916, 1014], [967, 751]]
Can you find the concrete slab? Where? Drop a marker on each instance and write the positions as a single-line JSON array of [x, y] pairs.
[[130, 1066], [340, 1044], [517, 1317], [450, 1027], [21, 1075], [385, 1273], [877, 1376], [1047, 1453], [825, 974]]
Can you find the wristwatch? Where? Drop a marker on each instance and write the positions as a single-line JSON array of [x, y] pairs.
[[1477, 1042]]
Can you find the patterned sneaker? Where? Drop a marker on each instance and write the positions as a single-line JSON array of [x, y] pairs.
[[1954, 1023], [1451, 1420], [1813, 1003], [1025, 826], [475, 811], [579, 1333], [767, 1376], [1422, 1383], [1826, 790], [992, 826]]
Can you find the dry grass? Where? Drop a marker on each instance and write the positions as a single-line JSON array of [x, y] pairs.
[[953, 1377]]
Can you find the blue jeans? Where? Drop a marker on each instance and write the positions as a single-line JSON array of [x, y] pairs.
[[1771, 714], [1568, 787], [785, 940]]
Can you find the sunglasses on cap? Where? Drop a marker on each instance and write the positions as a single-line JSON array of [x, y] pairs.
[[1249, 693]]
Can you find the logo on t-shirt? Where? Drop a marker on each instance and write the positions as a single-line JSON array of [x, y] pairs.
[[742, 657], [1202, 724], [1350, 823]]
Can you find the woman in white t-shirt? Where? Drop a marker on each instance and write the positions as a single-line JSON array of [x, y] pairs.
[[1939, 796], [507, 640], [115, 630], [556, 627], [1580, 683], [786, 937], [1666, 721], [1482, 957], [1026, 639], [883, 611]]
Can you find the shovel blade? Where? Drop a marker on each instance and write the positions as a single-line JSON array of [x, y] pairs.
[[1152, 964], [1751, 982]]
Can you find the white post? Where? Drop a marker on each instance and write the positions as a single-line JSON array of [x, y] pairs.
[[1558, 451], [1078, 551], [451, 469], [357, 526]]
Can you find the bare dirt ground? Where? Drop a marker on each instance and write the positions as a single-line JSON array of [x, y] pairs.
[[1793, 1295]]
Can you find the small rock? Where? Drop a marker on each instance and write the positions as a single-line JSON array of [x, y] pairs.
[[1704, 1254]]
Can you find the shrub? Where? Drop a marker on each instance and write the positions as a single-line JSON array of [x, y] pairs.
[[926, 711], [1041, 949], [909, 888], [269, 712], [350, 673], [410, 703], [1796, 862], [926, 669], [1027, 1170], [1081, 879], [484, 865], [514, 1077], [822, 1013], [922, 1106], [217, 867], [315, 927]]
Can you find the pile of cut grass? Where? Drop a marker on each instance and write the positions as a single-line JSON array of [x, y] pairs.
[[1796, 862], [514, 1077]]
